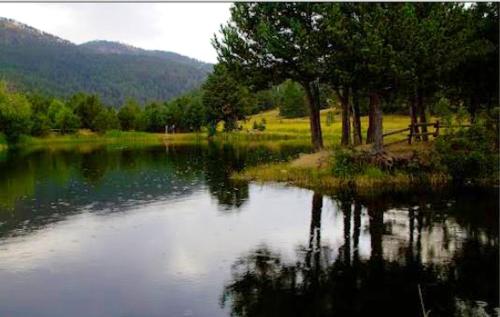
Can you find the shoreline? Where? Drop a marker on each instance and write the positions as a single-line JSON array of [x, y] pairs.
[[314, 172]]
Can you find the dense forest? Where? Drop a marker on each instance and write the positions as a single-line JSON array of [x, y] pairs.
[[36, 61]]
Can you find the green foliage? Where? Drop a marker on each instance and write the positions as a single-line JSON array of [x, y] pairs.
[[346, 163], [15, 114], [41, 124], [194, 113], [469, 154], [65, 120], [224, 99], [87, 108], [462, 116], [106, 120], [3, 140], [264, 100], [129, 115], [155, 117], [55, 107], [291, 100], [374, 172], [442, 109]]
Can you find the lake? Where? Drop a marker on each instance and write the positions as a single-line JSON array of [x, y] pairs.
[[163, 231]]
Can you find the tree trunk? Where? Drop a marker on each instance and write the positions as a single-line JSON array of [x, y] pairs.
[[371, 122], [356, 231], [413, 115], [312, 94], [356, 120], [378, 140], [422, 114], [346, 210], [315, 232], [346, 121]]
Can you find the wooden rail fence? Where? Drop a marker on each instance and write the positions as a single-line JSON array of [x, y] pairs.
[[413, 134]]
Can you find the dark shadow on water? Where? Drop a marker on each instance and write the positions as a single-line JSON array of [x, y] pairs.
[[454, 262]]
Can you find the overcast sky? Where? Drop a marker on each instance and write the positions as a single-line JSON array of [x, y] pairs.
[[184, 28]]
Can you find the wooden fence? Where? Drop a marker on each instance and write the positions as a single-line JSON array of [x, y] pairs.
[[413, 134]]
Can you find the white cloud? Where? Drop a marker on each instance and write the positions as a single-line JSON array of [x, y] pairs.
[[185, 28]]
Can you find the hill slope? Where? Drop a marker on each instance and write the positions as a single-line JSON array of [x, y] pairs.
[[36, 61]]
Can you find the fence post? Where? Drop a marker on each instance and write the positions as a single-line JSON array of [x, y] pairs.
[[436, 133], [411, 133]]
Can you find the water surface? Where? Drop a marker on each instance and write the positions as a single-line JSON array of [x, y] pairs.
[[163, 231]]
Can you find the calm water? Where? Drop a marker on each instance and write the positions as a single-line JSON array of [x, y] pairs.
[[163, 231]]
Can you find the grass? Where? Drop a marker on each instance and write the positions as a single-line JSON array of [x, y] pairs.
[[299, 127], [85, 136], [314, 171]]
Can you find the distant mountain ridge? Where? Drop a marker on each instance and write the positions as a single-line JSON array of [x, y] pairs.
[[109, 47], [34, 60]]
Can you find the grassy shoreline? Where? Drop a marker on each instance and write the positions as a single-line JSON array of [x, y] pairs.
[[321, 179], [316, 172]]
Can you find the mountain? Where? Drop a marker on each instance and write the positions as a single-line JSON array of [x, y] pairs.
[[37, 61]]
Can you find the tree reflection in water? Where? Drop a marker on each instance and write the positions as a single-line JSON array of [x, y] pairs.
[[382, 283]]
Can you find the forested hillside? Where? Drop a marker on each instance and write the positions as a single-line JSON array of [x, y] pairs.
[[36, 61]]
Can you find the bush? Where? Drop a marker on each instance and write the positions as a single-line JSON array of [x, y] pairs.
[[469, 154], [347, 163]]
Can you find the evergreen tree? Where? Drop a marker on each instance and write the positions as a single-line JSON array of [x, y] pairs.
[[291, 100], [224, 99]]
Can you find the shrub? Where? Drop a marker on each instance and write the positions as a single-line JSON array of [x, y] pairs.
[[468, 154], [347, 163]]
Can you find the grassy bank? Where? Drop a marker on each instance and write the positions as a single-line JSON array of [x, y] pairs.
[[315, 171]]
